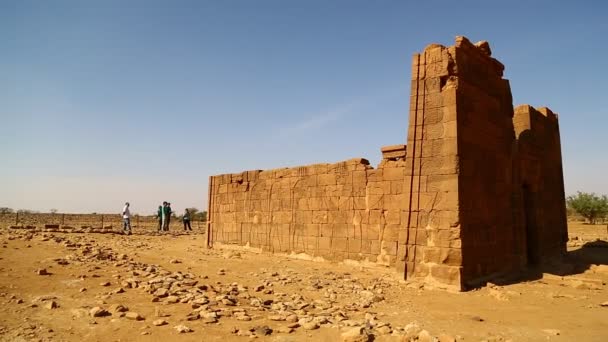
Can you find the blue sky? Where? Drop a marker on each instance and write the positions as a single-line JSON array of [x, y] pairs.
[[107, 101]]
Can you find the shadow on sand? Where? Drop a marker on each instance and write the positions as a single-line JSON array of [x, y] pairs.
[[574, 262]]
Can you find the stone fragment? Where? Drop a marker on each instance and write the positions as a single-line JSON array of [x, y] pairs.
[[310, 326], [209, 320], [193, 316], [262, 330], [182, 329], [51, 305], [134, 316], [158, 312], [242, 316], [553, 332], [98, 312], [42, 271], [425, 336], [160, 322], [484, 47], [358, 334], [384, 330], [162, 292], [114, 308], [172, 299]]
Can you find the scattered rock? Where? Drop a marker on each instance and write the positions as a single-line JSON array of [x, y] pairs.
[[160, 322], [182, 329], [262, 330], [51, 305], [175, 261], [161, 293], [172, 300], [209, 320], [106, 283], [425, 336], [284, 330], [98, 312], [358, 334], [114, 308], [158, 312], [42, 271], [310, 326], [553, 332], [605, 304], [134, 316]]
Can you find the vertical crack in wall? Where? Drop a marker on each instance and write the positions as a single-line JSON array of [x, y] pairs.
[[411, 195]]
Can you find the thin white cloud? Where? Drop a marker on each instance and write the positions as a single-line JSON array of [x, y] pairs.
[[329, 116], [322, 120]]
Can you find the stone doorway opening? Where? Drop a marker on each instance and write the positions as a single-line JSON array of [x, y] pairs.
[[531, 228]]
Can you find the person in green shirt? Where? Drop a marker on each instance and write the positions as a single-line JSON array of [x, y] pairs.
[[159, 215]]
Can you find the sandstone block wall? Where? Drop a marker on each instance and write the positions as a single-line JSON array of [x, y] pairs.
[[346, 210], [478, 193], [543, 229], [482, 188]]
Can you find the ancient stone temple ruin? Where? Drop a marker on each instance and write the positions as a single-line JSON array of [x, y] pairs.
[[476, 192]]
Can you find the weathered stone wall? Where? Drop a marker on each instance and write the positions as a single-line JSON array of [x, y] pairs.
[[543, 223], [479, 193], [466, 171], [431, 228], [346, 210]]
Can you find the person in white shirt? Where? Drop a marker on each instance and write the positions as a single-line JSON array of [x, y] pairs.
[[126, 218]]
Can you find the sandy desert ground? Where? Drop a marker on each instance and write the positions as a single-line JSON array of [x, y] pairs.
[[110, 287]]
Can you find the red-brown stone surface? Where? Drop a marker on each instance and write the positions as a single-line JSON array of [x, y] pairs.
[[478, 193]]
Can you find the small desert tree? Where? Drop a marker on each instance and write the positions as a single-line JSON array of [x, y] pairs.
[[589, 205], [6, 210], [53, 211], [197, 215]]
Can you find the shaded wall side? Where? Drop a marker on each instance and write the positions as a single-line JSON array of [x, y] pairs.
[[540, 163], [337, 211], [486, 143], [431, 233]]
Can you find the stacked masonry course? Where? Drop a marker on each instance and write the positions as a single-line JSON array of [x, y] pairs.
[[478, 192]]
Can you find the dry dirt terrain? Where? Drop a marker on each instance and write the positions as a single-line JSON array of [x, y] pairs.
[[109, 287]]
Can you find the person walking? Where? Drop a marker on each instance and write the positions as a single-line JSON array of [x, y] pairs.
[[126, 218], [159, 215], [186, 220]]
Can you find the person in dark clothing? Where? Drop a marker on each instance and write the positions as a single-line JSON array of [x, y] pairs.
[[186, 220], [159, 215], [166, 216]]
